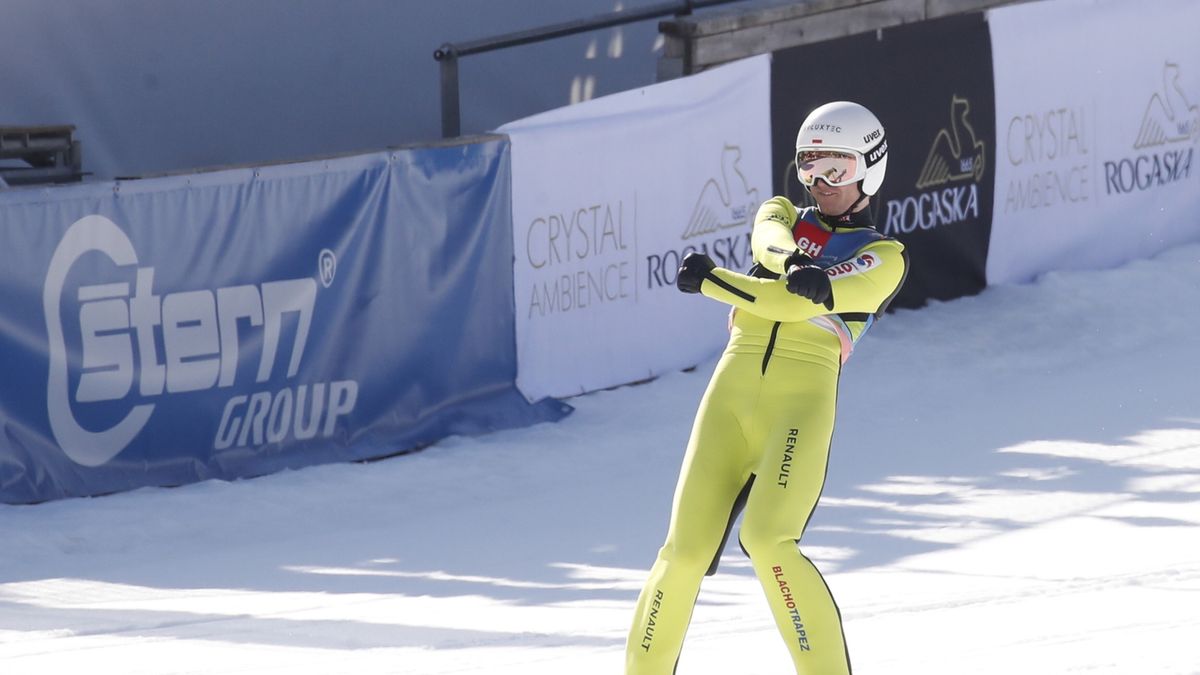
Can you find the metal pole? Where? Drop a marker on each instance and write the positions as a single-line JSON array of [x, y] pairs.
[[447, 56]]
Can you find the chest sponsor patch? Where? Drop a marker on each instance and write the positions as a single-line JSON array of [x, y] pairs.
[[810, 239], [863, 262]]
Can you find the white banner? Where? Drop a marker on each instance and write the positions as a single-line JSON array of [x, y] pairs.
[[608, 195], [1097, 123]]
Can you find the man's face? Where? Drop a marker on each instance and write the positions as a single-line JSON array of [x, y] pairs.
[[833, 201]]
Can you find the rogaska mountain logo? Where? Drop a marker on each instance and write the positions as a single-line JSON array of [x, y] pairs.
[[1169, 122], [949, 178], [719, 224], [1169, 116], [124, 341], [726, 201], [956, 154]]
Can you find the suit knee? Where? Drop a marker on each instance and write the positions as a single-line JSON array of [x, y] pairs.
[[758, 542], [693, 558]]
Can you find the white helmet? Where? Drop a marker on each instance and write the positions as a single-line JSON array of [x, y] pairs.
[[846, 127]]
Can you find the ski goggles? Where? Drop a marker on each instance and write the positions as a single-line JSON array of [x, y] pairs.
[[835, 167]]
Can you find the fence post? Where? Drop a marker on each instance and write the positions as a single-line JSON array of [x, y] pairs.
[[447, 56], [448, 53]]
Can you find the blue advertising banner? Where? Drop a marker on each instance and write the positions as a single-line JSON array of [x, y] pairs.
[[236, 323]]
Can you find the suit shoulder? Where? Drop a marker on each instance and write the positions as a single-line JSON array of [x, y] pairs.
[[883, 242], [777, 209]]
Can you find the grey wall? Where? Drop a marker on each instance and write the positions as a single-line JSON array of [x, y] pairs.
[[167, 85]]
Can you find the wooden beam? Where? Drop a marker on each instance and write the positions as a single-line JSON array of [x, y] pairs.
[[709, 40], [939, 8]]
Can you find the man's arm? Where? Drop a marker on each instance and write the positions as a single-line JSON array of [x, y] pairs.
[[771, 240], [861, 284]]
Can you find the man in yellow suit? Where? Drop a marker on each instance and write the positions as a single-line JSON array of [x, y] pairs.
[[760, 441]]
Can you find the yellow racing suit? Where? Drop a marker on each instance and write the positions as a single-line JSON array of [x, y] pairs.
[[760, 440]]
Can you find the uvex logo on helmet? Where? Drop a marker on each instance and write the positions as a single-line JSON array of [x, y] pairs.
[[876, 154], [197, 329]]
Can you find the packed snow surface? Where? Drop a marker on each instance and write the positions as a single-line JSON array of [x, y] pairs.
[[1014, 488]]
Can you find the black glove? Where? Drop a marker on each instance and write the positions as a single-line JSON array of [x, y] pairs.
[[798, 259], [692, 270], [807, 280]]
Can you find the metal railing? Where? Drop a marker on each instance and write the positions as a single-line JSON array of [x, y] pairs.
[[449, 53], [50, 153]]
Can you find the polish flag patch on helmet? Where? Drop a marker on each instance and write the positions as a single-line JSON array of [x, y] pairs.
[[863, 262]]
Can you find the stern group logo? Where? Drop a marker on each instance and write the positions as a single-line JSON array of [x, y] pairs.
[[121, 325]]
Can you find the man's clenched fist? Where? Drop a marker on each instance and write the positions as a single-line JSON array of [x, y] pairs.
[[810, 281], [692, 270]]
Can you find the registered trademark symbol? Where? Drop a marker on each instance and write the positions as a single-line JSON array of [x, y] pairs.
[[326, 267]]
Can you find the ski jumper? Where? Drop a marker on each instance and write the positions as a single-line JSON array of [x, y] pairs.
[[760, 440]]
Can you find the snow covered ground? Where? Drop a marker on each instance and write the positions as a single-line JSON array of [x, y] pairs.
[[1015, 488]]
